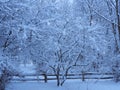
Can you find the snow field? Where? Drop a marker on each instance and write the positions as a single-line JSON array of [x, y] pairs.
[[69, 85]]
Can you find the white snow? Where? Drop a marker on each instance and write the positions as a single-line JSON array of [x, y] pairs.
[[69, 85], [27, 69]]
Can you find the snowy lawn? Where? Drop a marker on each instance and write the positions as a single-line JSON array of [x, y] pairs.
[[69, 85]]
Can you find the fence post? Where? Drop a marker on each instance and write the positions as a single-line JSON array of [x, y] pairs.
[[45, 78], [83, 76]]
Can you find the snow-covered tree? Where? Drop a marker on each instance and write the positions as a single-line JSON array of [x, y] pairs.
[[11, 18]]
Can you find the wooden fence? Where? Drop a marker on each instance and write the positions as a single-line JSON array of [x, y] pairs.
[[41, 77]]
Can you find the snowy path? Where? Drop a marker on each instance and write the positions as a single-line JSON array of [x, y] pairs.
[[69, 85]]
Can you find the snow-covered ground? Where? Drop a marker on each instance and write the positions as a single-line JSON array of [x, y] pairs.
[[69, 85]]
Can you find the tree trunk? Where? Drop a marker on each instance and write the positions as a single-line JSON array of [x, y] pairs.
[[58, 80], [118, 20], [2, 82], [115, 37]]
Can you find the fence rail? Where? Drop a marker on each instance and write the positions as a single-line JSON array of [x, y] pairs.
[[41, 77], [88, 73]]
